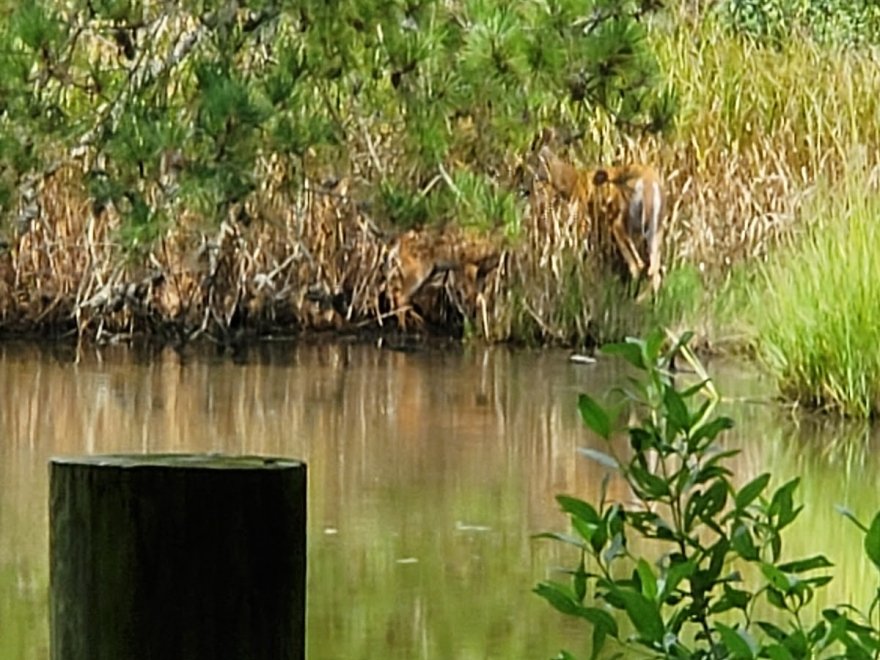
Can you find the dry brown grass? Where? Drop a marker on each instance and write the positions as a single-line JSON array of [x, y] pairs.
[[314, 261]]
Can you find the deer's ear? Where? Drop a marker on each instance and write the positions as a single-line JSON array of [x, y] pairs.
[[546, 154], [600, 176]]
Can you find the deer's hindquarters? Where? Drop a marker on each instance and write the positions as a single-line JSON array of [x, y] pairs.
[[652, 211], [643, 210]]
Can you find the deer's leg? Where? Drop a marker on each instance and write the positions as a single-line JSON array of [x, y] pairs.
[[628, 250], [654, 266]]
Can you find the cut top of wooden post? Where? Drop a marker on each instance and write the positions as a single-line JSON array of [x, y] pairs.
[[177, 556], [183, 461]]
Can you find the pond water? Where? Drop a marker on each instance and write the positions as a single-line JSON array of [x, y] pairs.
[[429, 471]]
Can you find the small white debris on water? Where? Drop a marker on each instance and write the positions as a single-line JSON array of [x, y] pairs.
[[577, 358], [331, 531], [462, 527], [408, 560]]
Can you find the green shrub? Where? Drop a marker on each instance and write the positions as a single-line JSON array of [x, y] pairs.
[[840, 22], [722, 546]]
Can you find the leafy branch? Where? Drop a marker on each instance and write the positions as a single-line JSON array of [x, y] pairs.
[[692, 602]]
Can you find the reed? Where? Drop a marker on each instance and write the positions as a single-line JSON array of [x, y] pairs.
[[757, 127], [818, 312]]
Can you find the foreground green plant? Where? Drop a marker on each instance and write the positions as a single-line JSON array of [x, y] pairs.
[[709, 553]]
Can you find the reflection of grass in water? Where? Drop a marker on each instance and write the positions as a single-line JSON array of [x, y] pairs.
[[24, 572], [23, 606], [367, 422], [837, 462], [441, 550]]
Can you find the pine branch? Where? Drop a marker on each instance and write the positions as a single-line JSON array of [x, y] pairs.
[[142, 75]]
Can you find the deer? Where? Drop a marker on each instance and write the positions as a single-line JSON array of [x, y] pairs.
[[626, 200], [425, 262]]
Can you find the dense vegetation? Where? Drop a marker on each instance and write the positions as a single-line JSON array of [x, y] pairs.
[[226, 169], [819, 332], [212, 168], [216, 92]]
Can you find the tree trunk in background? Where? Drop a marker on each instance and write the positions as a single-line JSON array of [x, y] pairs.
[[177, 556]]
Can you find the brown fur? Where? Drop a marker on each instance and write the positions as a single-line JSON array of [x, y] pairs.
[[425, 263]]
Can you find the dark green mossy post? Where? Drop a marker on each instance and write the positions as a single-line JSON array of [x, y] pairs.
[[177, 557]]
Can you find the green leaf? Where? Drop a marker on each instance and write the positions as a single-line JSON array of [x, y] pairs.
[[641, 439], [653, 343], [562, 538], [698, 418], [778, 652], [600, 457], [585, 530], [872, 541], [594, 416], [643, 614], [676, 573], [683, 339], [709, 431], [838, 627], [706, 505], [651, 486], [688, 392], [796, 642], [781, 505], [833, 616], [743, 544], [731, 599], [648, 580], [559, 597], [773, 631], [847, 513], [629, 351], [776, 598], [751, 490], [715, 499], [737, 642], [718, 553], [563, 600], [579, 581], [781, 581], [803, 565], [599, 635], [578, 508], [601, 619], [676, 408]]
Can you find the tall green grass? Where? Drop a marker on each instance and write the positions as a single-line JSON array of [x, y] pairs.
[[757, 127], [818, 315]]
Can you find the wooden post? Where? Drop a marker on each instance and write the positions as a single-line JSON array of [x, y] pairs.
[[177, 557]]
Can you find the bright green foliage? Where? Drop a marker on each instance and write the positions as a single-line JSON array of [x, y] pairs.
[[176, 106], [819, 327], [696, 597], [841, 22]]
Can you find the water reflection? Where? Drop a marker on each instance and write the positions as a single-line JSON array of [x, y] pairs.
[[429, 470]]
